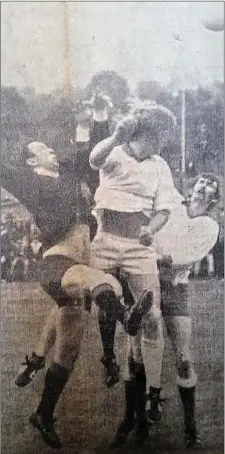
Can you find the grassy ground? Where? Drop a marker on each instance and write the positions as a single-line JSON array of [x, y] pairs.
[[88, 412]]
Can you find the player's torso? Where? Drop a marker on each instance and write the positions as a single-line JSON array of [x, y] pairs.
[[124, 173], [126, 184], [60, 206]]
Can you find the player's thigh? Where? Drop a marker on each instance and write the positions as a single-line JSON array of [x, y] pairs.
[[51, 270], [81, 279], [104, 252], [138, 283]]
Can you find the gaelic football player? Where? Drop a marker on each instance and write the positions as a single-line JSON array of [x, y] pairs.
[[182, 240], [60, 204]]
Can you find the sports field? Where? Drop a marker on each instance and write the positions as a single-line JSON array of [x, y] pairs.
[[88, 413]]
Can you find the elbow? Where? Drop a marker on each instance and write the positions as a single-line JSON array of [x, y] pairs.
[[93, 161]]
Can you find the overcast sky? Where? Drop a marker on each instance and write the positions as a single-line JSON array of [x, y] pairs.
[[133, 38]]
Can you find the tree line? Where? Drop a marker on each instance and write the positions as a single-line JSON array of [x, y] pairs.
[[51, 118]]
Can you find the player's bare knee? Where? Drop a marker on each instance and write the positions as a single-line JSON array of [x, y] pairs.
[[152, 328], [75, 281], [184, 369], [186, 376]]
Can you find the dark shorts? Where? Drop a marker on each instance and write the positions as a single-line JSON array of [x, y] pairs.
[[50, 273]]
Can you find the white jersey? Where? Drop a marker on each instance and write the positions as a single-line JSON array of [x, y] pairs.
[[186, 240], [127, 185]]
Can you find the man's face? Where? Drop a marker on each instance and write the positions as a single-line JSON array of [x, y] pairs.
[[205, 190], [48, 159], [43, 157]]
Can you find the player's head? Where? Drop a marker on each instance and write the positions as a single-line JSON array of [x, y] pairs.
[[42, 156], [204, 195], [155, 127]]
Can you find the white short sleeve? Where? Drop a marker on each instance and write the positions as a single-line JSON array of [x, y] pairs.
[[165, 190]]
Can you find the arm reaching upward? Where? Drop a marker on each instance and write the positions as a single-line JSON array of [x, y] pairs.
[[124, 130]]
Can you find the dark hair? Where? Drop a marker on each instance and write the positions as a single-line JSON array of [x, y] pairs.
[[213, 179]]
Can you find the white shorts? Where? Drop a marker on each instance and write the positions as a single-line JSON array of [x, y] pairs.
[[109, 251]]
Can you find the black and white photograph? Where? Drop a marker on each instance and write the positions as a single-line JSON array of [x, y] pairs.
[[112, 227]]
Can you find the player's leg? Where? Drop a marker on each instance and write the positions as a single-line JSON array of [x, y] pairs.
[[138, 283], [36, 361], [135, 398], [105, 290], [50, 272], [107, 328], [178, 325], [69, 328], [152, 340], [153, 344], [68, 325], [105, 252]]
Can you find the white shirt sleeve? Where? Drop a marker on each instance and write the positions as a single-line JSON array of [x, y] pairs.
[[165, 190]]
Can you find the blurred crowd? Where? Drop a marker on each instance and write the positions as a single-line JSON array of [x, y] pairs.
[[21, 249]]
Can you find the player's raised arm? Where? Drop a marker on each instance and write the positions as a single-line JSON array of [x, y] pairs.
[[124, 130]]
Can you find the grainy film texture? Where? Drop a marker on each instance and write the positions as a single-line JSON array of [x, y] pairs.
[[112, 227]]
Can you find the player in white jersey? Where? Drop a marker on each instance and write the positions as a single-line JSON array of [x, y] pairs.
[[132, 203], [200, 234]]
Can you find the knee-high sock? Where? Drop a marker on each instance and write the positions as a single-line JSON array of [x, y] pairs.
[[188, 400], [55, 381], [140, 378], [130, 399], [107, 326]]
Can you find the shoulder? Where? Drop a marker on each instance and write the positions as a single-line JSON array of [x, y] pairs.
[[161, 163], [162, 168], [117, 154]]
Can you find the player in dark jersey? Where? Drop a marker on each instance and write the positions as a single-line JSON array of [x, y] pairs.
[[60, 204]]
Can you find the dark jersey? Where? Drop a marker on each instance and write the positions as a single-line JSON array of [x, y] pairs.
[[56, 203], [99, 132]]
